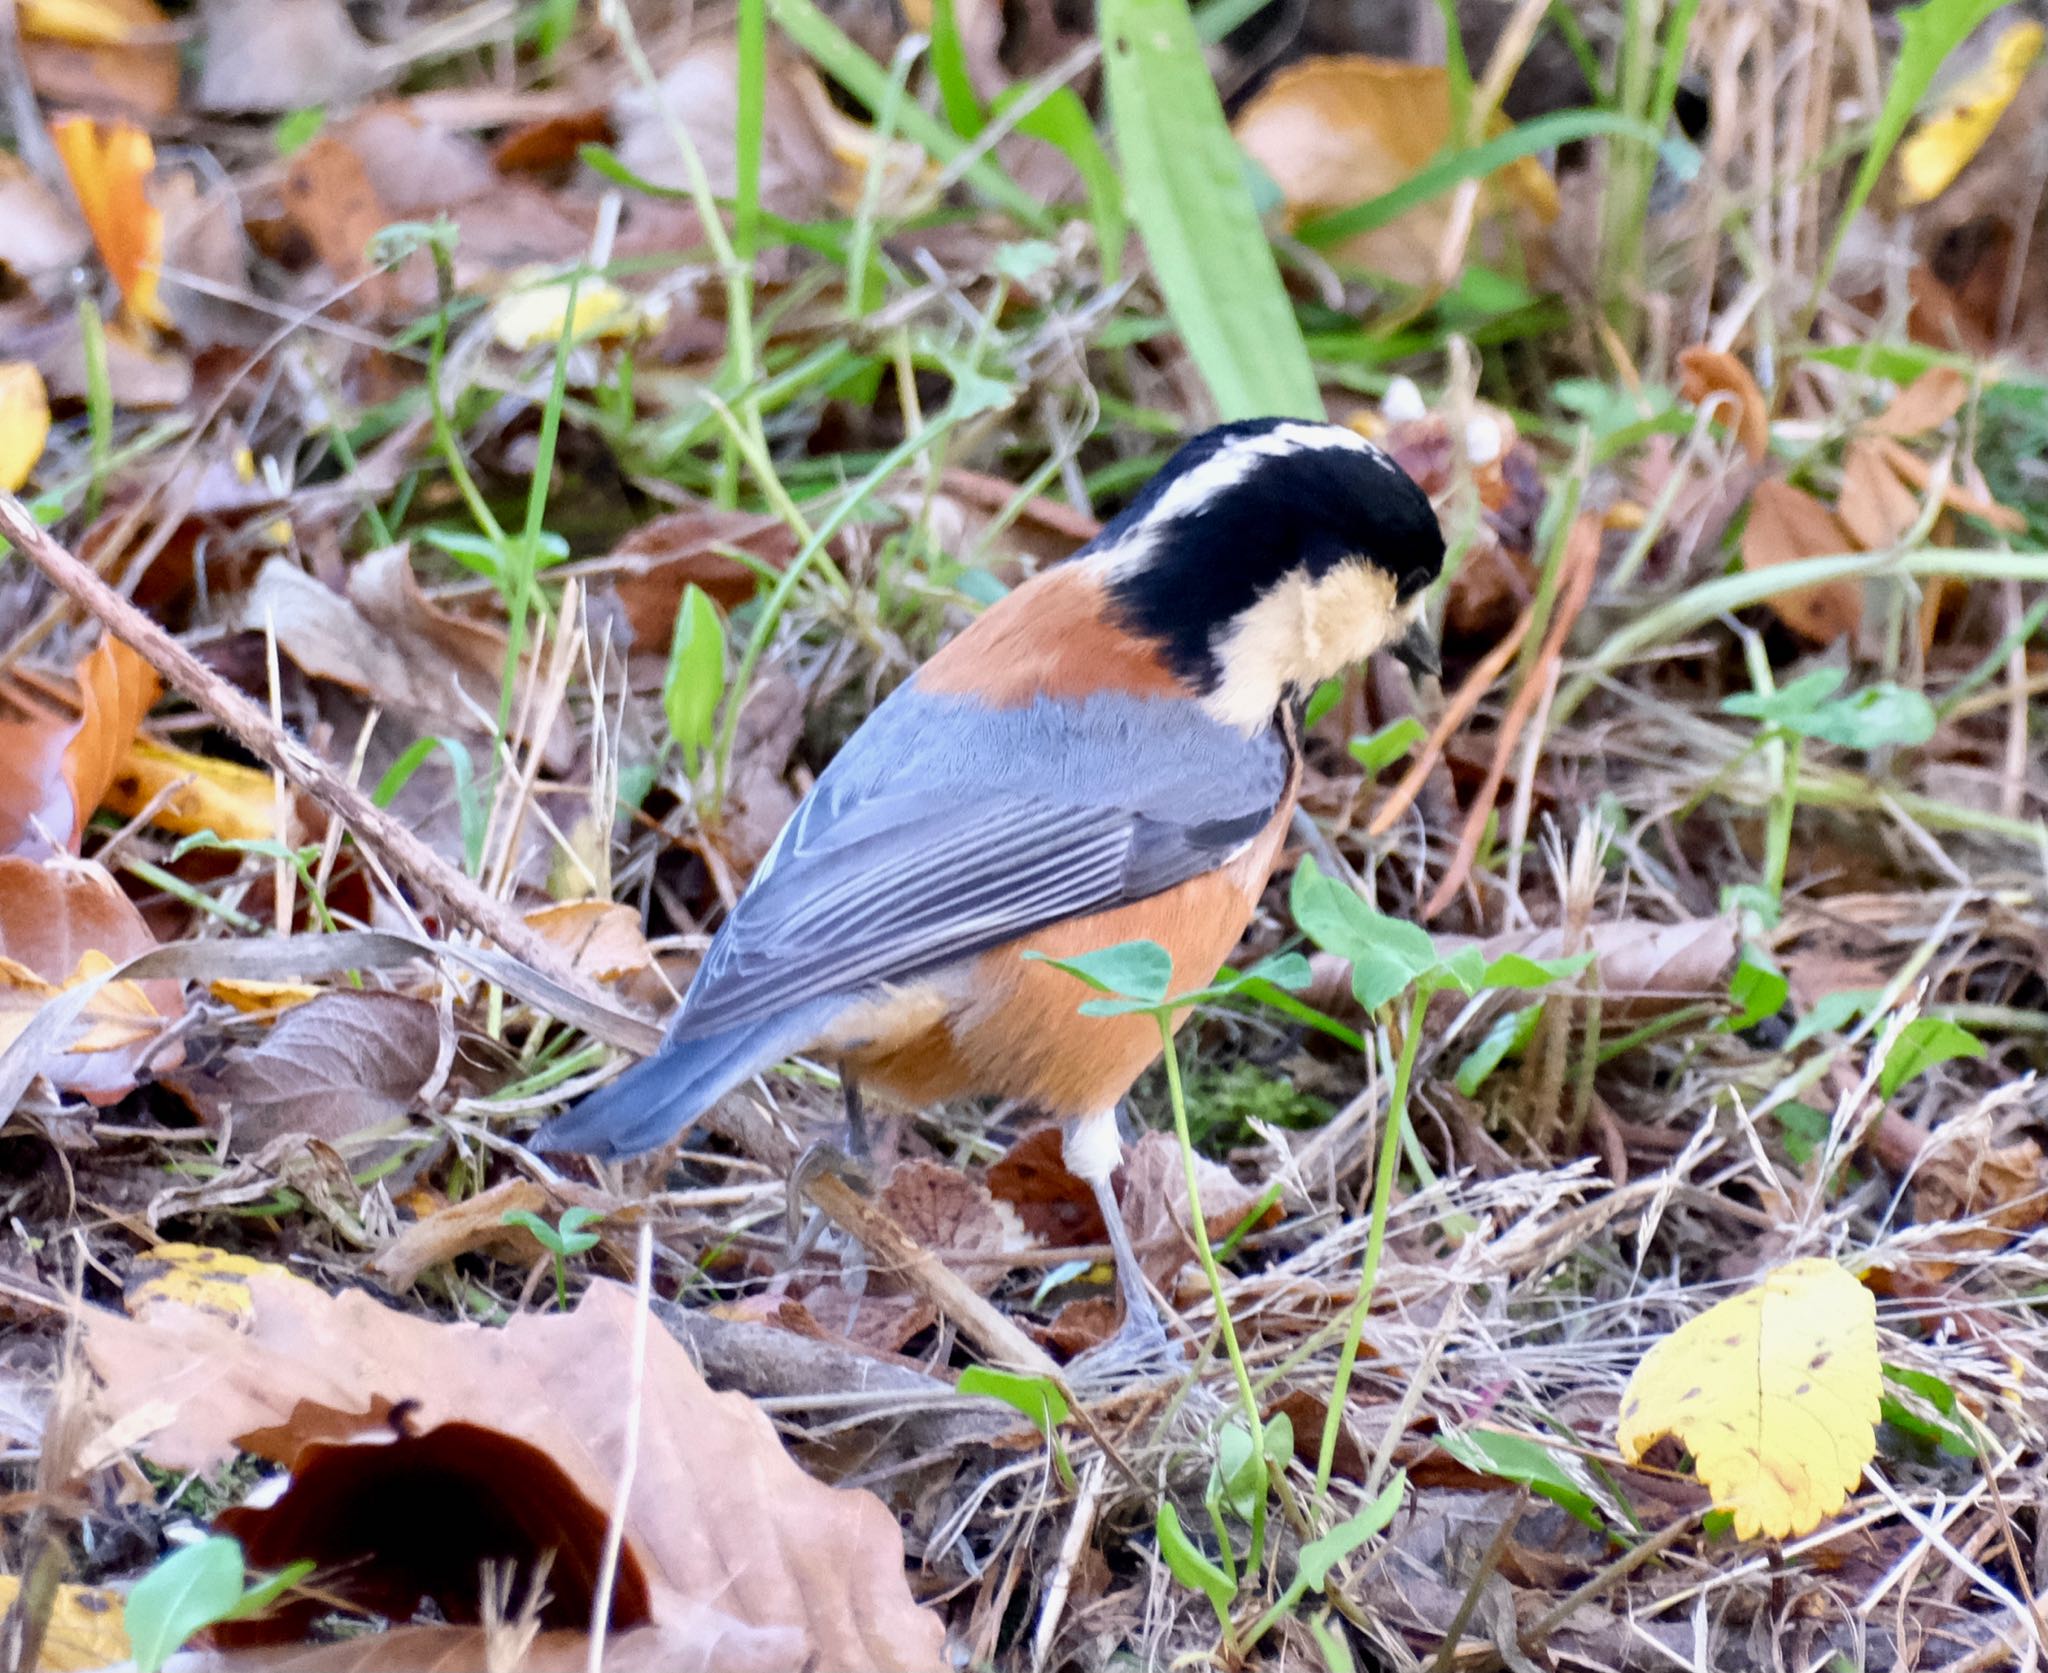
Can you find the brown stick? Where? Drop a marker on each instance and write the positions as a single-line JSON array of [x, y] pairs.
[[460, 899]]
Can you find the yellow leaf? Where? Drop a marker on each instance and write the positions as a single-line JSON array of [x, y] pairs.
[[1957, 130], [190, 1275], [1775, 1394], [110, 169], [1333, 132], [224, 797], [527, 319], [24, 422], [86, 1627], [249, 997], [77, 22], [118, 1016]]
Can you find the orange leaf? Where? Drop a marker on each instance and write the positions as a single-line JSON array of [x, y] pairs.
[[1927, 403], [24, 422], [1955, 496], [54, 771], [1875, 505], [110, 169], [1786, 523], [1711, 372]]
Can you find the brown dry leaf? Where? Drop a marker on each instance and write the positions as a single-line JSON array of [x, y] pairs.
[[24, 422], [54, 772], [129, 66], [659, 559], [872, 1321], [1057, 1208], [44, 235], [1927, 403], [330, 1067], [277, 55], [477, 1222], [62, 921], [416, 1449], [1956, 496], [550, 142], [200, 793], [110, 168], [389, 642], [2003, 1189], [954, 1217], [1875, 506], [1706, 373], [1787, 523], [328, 196], [1155, 1204], [1333, 132], [601, 939]]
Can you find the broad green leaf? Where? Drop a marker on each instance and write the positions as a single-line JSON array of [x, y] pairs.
[[1188, 1564], [1238, 1477], [695, 681], [1140, 970], [1386, 954], [1511, 1032], [191, 1589], [1185, 182], [1388, 745], [1788, 702], [1465, 970], [1321, 701], [297, 129], [1922, 1043], [1879, 716], [1319, 1556], [1517, 1458], [1758, 988], [1287, 971], [1956, 1442], [1803, 1128], [1832, 1012], [1518, 970], [1038, 1398]]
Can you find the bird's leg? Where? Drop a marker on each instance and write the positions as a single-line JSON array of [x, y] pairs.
[[1140, 1348], [848, 1155]]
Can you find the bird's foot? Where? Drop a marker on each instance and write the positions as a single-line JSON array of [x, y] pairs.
[[1139, 1352], [821, 1157]]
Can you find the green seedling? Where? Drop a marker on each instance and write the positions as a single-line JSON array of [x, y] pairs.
[[1038, 1398], [1922, 1043], [560, 1241], [192, 1589], [694, 684]]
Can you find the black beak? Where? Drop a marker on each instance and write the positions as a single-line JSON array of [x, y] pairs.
[[1415, 650]]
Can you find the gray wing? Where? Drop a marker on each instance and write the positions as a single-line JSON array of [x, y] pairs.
[[945, 828]]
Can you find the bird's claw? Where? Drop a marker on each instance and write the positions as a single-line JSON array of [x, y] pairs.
[[819, 1158]]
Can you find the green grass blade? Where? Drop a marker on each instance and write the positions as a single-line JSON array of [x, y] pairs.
[[1189, 197]]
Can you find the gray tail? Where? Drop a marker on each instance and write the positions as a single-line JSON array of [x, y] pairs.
[[661, 1095]]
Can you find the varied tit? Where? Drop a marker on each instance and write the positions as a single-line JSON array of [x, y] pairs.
[[1108, 754]]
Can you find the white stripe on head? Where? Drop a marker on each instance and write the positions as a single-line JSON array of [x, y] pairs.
[[1223, 470]]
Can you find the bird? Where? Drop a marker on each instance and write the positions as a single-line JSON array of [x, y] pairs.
[[1110, 752]]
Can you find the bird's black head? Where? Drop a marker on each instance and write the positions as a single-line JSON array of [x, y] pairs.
[[1268, 555]]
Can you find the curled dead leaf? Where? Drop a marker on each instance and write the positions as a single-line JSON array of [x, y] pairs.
[[55, 770], [417, 1449], [110, 168], [1787, 523], [1710, 373]]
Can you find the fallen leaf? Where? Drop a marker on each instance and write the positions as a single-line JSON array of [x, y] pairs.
[[24, 422], [1775, 1394], [253, 997], [331, 1067], [1874, 505], [54, 771], [603, 940], [1787, 523], [535, 308], [1925, 404], [1155, 1204], [478, 1223], [1334, 132], [81, 22], [416, 1449], [45, 236], [551, 142], [1707, 373], [110, 168], [327, 195], [134, 75], [63, 921], [1954, 131], [954, 1217], [85, 1630], [200, 793], [655, 563], [1919, 475], [278, 55], [2000, 1191], [1056, 1207], [191, 1275]]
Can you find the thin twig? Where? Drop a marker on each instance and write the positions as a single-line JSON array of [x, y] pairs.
[[462, 901]]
